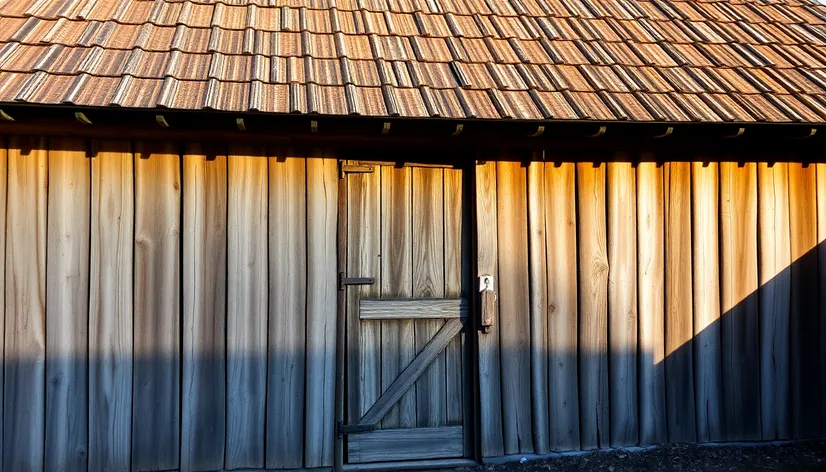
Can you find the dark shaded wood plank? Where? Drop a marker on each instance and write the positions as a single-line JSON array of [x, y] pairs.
[[322, 214], [287, 311], [490, 399], [538, 292], [413, 372], [247, 304], [405, 444], [514, 306], [398, 344], [707, 339], [622, 302], [25, 308], [774, 299], [67, 305], [651, 281], [740, 329], [110, 306], [561, 243], [804, 323], [3, 187], [156, 394], [593, 306], [679, 326], [203, 418], [429, 282]]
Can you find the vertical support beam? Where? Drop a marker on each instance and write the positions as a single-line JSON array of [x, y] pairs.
[[203, 428], [3, 229], [679, 326], [288, 311], [155, 409], [490, 399], [25, 308], [110, 306], [774, 298], [593, 303], [651, 274], [707, 350], [67, 305], [821, 258]]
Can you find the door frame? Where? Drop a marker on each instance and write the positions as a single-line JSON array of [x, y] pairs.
[[466, 161]]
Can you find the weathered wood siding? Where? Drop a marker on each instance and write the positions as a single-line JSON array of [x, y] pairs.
[[666, 301], [167, 306]]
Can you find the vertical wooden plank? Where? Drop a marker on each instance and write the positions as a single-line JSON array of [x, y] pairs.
[[538, 276], [287, 308], [363, 260], [25, 317], [490, 399], [3, 187], [593, 303], [156, 395], [679, 326], [67, 305], [622, 302], [429, 282], [321, 310], [397, 339], [804, 325], [246, 306], [740, 353], [561, 243], [707, 355], [456, 383], [774, 298], [203, 427], [514, 306], [821, 262], [651, 273], [110, 306]]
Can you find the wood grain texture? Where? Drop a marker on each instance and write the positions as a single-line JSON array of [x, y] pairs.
[[454, 237], [490, 399], [538, 292], [405, 444], [561, 243], [804, 323], [651, 283], [622, 302], [707, 350], [363, 260], [774, 299], [322, 207], [679, 326], [514, 306], [740, 328], [398, 346], [821, 258], [247, 304], [203, 418], [67, 305], [429, 282], [593, 306], [418, 308], [3, 187], [110, 306], [25, 309], [287, 312], [156, 394]]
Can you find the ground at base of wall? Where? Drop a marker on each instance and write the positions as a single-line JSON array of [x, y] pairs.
[[798, 457]]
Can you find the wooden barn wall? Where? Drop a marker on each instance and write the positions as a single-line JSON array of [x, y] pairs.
[[642, 302], [167, 306]]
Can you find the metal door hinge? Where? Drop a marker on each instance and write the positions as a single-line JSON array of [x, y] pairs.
[[353, 428], [345, 169], [345, 281]]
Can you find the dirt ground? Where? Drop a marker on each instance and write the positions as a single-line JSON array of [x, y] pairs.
[[802, 456]]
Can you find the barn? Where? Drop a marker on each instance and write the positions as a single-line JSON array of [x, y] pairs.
[[405, 234]]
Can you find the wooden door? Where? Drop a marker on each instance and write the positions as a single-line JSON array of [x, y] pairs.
[[406, 283]]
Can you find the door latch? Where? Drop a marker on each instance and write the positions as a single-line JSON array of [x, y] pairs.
[[487, 294], [345, 281]]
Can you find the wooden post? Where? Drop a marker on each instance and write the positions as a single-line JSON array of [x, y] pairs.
[[821, 258], [593, 303], [67, 305], [707, 338], [651, 257], [3, 193], [622, 302]]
